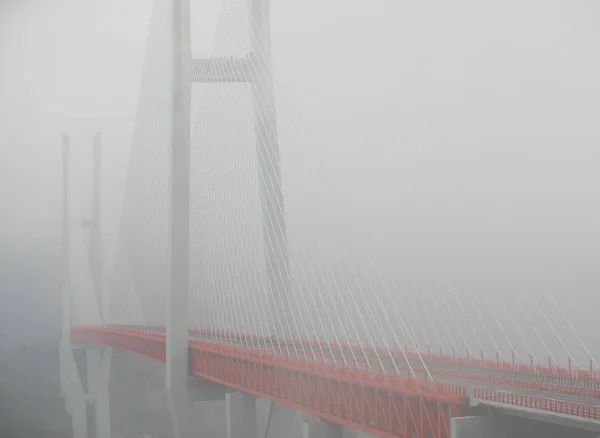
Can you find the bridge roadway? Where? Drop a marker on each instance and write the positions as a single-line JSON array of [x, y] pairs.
[[565, 409], [469, 384], [268, 345], [242, 362], [373, 403], [388, 367]]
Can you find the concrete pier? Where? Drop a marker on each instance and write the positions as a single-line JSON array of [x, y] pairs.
[[313, 427], [240, 415], [470, 427]]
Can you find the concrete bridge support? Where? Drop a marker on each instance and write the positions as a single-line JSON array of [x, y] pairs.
[[79, 394], [94, 394], [73, 392], [98, 375], [281, 420], [353, 433], [471, 427], [313, 427], [240, 415]]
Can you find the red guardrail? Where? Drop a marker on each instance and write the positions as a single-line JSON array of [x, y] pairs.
[[540, 403], [532, 367], [152, 345], [383, 405]]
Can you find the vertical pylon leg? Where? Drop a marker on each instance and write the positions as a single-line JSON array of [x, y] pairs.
[[79, 416], [284, 421], [177, 324], [470, 427], [70, 384], [72, 389], [182, 413], [313, 427], [98, 372], [353, 433], [241, 415]]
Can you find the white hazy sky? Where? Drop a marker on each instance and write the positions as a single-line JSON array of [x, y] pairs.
[[456, 130], [67, 66], [478, 100]]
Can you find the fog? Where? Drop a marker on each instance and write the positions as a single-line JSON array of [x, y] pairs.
[[65, 67], [438, 141]]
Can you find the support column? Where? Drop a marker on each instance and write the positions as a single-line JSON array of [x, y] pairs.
[[97, 360], [283, 421], [313, 427], [98, 374], [70, 384], [96, 239], [65, 342], [241, 415], [75, 398], [66, 258], [177, 324], [78, 410], [470, 427], [353, 433]]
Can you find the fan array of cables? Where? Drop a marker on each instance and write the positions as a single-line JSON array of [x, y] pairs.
[[257, 281]]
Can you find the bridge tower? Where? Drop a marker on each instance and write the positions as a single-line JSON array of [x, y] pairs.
[[94, 394], [255, 69]]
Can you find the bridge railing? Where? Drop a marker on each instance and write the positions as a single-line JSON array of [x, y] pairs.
[[514, 374], [374, 402], [539, 403], [570, 376], [498, 365], [152, 345]]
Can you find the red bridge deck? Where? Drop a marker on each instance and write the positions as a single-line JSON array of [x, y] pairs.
[[379, 403]]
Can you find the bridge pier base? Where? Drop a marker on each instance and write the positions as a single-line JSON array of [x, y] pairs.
[[353, 433], [241, 415], [313, 427], [98, 375], [471, 427], [73, 392], [78, 397], [281, 421], [182, 413]]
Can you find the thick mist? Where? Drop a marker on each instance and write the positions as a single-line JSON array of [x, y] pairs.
[[68, 67], [440, 144], [441, 140]]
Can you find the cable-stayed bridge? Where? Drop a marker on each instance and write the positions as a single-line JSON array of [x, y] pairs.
[[242, 294]]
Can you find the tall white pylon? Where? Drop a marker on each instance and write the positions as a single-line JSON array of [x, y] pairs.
[[66, 259], [177, 317], [254, 69], [96, 237], [70, 383], [98, 358]]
